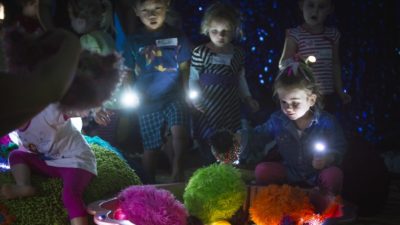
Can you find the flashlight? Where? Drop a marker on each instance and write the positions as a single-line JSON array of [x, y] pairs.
[[319, 147], [193, 95], [2, 12], [130, 99], [311, 59]]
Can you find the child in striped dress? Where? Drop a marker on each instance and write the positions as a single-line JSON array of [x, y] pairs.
[[313, 38], [217, 76]]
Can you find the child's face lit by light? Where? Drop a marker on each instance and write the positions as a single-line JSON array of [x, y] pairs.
[[295, 102], [152, 13], [220, 33], [316, 11]]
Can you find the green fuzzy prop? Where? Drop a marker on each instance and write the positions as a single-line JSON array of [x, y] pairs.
[[215, 193], [46, 207]]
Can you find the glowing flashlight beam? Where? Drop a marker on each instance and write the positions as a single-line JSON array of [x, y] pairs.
[[311, 59], [2, 14], [130, 99], [319, 147], [193, 94]]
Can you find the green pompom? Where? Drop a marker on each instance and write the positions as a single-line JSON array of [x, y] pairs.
[[46, 207], [215, 193]]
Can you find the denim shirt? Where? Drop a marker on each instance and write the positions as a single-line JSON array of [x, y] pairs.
[[296, 150]]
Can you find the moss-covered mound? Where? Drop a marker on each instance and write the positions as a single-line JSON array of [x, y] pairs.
[[114, 174]]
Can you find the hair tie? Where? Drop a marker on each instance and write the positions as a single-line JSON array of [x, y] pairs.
[[290, 71]]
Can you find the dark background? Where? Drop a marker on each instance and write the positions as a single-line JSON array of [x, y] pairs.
[[369, 52], [370, 55]]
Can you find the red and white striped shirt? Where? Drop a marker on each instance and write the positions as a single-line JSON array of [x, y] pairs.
[[321, 46]]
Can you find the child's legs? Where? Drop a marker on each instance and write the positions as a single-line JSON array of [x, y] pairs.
[[331, 180], [21, 163], [150, 131], [177, 116], [74, 183], [270, 173]]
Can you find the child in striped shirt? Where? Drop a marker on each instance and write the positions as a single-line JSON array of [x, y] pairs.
[[217, 75], [313, 38]]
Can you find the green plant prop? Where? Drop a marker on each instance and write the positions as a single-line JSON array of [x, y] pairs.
[[214, 193], [46, 207]]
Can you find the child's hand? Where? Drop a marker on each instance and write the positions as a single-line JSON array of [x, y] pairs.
[[321, 161], [253, 104], [103, 117], [345, 98]]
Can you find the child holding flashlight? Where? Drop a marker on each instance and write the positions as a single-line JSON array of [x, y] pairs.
[[309, 139], [313, 38]]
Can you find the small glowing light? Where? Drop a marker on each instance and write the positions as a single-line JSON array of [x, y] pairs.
[[311, 59], [261, 38], [319, 147], [4, 166], [77, 123], [130, 99], [200, 8], [262, 81], [2, 14], [193, 94], [220, 222], [266, 69], [253, 48]]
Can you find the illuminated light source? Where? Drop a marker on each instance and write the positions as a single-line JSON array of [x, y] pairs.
[[193, 94], [220, 222], [130, 99], [311, 59], [77, 123], [4, 166], [2, 14], [319, 147]]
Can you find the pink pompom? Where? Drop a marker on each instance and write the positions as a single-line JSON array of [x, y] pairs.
[[147, 205]]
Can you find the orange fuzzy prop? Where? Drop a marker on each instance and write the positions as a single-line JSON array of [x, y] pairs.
[[274, 202]]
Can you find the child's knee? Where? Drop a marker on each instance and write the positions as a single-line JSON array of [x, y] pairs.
[[17, 157], [270, 172]]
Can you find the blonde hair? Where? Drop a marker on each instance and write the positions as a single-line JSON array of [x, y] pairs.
[[297, 74], [221, 11], [97, 12]]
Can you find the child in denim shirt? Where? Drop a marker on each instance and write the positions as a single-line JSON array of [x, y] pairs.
[[309, 139]]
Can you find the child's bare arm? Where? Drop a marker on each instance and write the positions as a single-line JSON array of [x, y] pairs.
[[289, 49], [184, 71], [45, 17]]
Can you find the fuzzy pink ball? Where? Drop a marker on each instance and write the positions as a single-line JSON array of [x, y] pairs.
[[147, 205]]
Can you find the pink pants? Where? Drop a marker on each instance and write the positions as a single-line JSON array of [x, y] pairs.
[[329, 179], [74, 180]]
